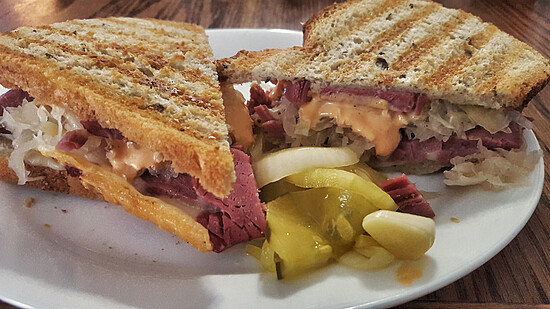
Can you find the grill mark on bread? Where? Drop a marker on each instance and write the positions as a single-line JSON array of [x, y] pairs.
[[102, 61], [161, 31], [332, 10], [156, 60], [454, 65], [495, 71], [155, 37], [396, 32], [424, 47], [370, 55]]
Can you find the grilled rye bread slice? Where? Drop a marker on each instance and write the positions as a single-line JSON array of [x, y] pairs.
[[152, 80], [95, 182], [413, 46]]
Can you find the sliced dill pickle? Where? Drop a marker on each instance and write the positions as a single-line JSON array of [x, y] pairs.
[[326, 177], [308, 228], [276, 189], [298, 246], [267, 257]]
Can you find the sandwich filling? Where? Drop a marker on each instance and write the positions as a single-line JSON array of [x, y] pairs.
[[35, 127], [395, 130]]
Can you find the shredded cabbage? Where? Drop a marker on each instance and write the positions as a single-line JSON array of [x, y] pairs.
[[298, 132], [34, 125], [495, 169], [444, 119]]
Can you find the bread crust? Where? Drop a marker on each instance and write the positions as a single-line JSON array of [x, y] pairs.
[[450, 55], [53, 180], [159, 89]]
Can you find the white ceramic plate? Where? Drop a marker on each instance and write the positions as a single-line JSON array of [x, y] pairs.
[[94, 255]]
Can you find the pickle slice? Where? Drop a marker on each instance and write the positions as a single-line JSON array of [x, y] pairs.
[[309, 228], [275, 189], [299, 248], [325, 177]]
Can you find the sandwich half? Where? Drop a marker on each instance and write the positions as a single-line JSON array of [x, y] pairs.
[[129, 111], [408, 85]]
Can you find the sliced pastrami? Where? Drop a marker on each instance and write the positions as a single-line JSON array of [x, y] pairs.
[[512, 140], [72, 140], [236, 218], [413, 151], [407, 197], [416, 151], [398, 101], [240, 216], [258, 97], [179, 186], [96, 129], [263, 112], [13, 98], [297, 92], [456, 147], [274, 128]]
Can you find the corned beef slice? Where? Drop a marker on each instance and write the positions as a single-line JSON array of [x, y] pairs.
[[415, 151], [274, 128], [263, 113], [72, 140], [398, 101], [258, 97], [12, 98], [96, 129], [236, 218], [178, 187], [259, 103], [296, 92], [500, 139], [407, 197], [241, 215]]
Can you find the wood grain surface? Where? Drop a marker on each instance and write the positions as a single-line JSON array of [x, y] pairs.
[[519, 276]]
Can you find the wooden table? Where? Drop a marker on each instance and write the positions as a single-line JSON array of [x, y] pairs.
[[519, 276]]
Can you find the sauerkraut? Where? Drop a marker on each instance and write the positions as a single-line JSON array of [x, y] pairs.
[[34, 125], [494, 169], [444, 119], [325, 133]]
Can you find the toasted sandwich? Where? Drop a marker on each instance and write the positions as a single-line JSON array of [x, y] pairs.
[[408, 85], [128, 111]]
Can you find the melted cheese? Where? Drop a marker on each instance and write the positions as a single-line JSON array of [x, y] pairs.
[[366, 116], [127, 158]]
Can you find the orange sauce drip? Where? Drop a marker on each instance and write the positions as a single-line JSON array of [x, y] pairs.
[[408, 272], [366, 116], [128, 158]]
